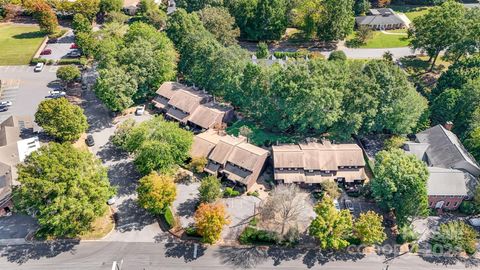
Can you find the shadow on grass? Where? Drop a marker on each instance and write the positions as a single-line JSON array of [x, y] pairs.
[[29, 35]]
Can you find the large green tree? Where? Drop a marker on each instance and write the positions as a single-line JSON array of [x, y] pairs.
[[331, 227], [66, 189], [81, 24], [89, 8], [368, 228], [115, 88], [439, 29], [269, 21], [337, 20], [221, 24], [156, 144], [107, 6], [68, 73], [400, 184], [156, 193], [61, 119]]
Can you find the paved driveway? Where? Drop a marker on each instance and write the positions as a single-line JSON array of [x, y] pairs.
[[25, 88], [16, 226]]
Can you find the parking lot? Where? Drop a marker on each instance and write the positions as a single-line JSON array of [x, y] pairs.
[[61, 47], [25, 88]]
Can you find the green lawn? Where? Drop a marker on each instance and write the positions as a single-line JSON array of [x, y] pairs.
[[381, 40], [260, 136], [18, 43], [411, 11]]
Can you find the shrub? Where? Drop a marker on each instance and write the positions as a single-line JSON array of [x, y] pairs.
[[230, 192], [454, 236], [253, 236], [394, 142], [262, 50], [253, 222], [197, 164], [35, 61], [169, 218], [74, 61], [191, 231], [467, 208], [337, 56], [406, 235], [255, 193], [297, 54], [50, 62], [210, 189]]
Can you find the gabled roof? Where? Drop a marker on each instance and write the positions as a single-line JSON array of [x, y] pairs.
[[204, 143], [225, 146], [207, 115], [186, 101], [379, 20], [445, 149], [246, 155]]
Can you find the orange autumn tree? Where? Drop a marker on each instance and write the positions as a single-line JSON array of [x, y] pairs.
[[209, 221], [43, 12]]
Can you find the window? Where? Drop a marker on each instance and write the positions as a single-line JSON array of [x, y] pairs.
[[310, 170], [455, 204], [448, 203], [281, 169], [327, 171], [430, 204]]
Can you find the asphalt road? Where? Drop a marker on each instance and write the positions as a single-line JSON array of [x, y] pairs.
[[100, 255]]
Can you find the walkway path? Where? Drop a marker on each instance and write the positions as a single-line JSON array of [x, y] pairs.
[[395, 34]]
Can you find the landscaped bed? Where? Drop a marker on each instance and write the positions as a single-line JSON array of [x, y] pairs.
[[18, 43]]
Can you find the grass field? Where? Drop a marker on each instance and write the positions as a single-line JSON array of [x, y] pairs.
[[381, 40], [18, 43], [411, 12]]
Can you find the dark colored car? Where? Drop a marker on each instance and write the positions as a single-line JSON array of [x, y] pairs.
[[46, 52], [74, 54], [3, 108], [89, 140]]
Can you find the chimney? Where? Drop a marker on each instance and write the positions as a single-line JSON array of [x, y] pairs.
[[448, 125]]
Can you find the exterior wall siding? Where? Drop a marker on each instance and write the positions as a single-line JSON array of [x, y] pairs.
[[450, 202]]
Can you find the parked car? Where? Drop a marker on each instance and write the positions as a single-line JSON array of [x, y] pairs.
[[38, 67], [349, 205], [140, 110], [337, 204], [46, 52], [3, 109], [74, 54], [89, 141], [74, 46], [56, 94], [5, 103]]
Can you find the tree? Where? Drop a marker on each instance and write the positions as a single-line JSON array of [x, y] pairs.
[[68, 73], [394, 142], [107, 6], [368, 228], [195, 5], [115, 88], [88, 8], [220, 23], [458, 74], [209, 221], [388, 56], [197, 164], [308, 16], [43, 12], [472, 143], [81, 24], [245, 131], [156, 144], [400, 184], [269, 21], [262, 50], [337, 20], [439, 29], [152, 13], [87, 42], [364, 33], [156, 193], [283, 207], [331, 227], [470, 41], [444, 107], [66, 189], [61, 119], [361, 7], [337, 56], [454, 236], [331, 188], [210, 189]]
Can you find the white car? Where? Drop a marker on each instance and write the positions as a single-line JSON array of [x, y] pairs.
[[140, 110], [336, 204], [5, 103], [111, 201], [39, 67], [56, 94]]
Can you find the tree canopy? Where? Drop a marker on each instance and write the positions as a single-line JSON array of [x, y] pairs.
[[210, 189], [400, 183], [331, 227], [209, 221], [156, 193], [68, 73], [156, 144], [220, 23], [368, 228], [61, 119], [64, 188]]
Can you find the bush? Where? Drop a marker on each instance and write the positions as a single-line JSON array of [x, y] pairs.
[[394, 142], [297, 54], [406, 235], [191, 231], [467, 208], [255, 193], [230, 192], [253, 236], [337, 56], [74, 61], [169, 218], [35, 61], [454, 236], [197, 164], [253, 222], [262, 50], [50, 62]]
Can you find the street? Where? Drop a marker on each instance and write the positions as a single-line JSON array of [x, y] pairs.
[[169, 255]]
